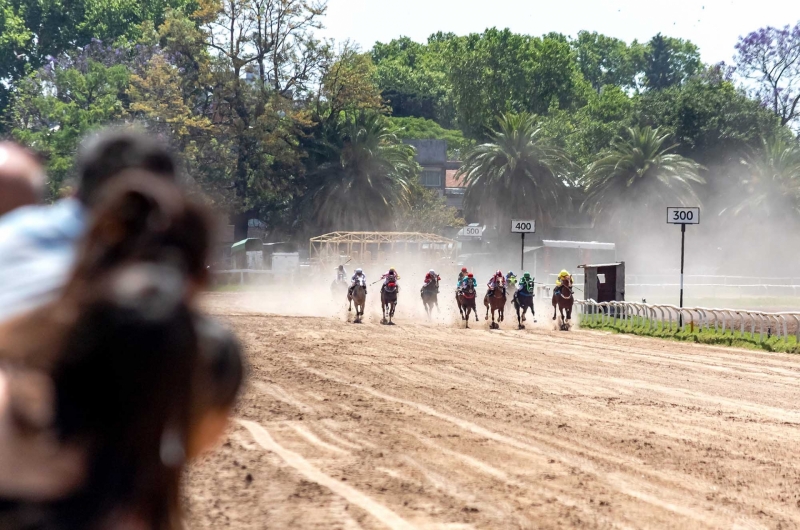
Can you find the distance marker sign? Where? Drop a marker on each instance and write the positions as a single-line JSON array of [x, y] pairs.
[[519, 226], [683, 216]]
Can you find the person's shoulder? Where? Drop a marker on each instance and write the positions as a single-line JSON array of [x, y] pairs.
[[66, 218]]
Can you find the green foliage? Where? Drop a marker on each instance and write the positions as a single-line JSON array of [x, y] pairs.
[[499, 71], [422, 129], [731, 338], [669, 62], [605, 60], [54, 110], [519, 172], [640, 173], [367, 177], [426, 212], [771, 181]]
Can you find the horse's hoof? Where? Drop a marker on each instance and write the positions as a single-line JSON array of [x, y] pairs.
[[487, 318], [521, 327], [554, 318]]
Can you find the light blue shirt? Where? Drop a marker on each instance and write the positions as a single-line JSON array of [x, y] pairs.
[[38, 247]]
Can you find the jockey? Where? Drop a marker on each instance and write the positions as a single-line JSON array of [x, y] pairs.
[[461, 275], [341, 274], [391, 276], [511, 278], [358, 276], [561, 277], [526, 283], [431, 277], [498, 280], [466, 281]]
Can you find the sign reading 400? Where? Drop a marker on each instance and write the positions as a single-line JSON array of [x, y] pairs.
[[683, 216], [519, 226]]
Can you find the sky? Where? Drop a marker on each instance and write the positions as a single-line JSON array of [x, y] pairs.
[[714, 25]]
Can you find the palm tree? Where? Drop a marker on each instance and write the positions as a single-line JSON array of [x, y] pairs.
[[772, 181], [520, 173], [639, 173], [365, 178]]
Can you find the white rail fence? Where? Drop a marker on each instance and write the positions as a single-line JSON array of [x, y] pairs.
[[655, 317]]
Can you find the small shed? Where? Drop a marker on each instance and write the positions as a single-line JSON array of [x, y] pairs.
[[604, 282], [248, 254]]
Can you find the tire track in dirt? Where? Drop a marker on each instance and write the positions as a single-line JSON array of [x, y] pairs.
[[378, 511]]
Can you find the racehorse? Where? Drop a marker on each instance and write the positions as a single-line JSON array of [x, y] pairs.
[[511, 290], [563, 301], [466, 303], [496, 302], [359, 296], [523, 300], [388, 302], [338, 287], [430, 296]]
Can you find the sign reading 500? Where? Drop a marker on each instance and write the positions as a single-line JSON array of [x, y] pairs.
[[520, 226]]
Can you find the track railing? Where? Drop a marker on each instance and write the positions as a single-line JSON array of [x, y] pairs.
[[664, 317]]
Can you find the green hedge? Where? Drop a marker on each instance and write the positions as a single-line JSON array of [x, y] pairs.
[[639, 326]]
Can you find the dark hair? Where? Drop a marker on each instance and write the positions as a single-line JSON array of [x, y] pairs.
[[127, 366], [107, 153]]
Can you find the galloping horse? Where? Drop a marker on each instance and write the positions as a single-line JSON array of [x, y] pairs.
[[523, 300], [496, 302], [563, 301], [466, 303], [359, 296], [388, 301], [430, 297]]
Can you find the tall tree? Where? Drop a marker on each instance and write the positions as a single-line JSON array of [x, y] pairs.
[[605, 60], [669, 62], [637, 174], [367, 180], [74, 93], [771, 181], [519, 172], [32, 31], [267, 60], [771, 57]]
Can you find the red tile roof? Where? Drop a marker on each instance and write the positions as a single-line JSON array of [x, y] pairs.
[[450, 180]]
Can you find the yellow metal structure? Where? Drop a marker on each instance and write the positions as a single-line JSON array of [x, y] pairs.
[[364, 245]]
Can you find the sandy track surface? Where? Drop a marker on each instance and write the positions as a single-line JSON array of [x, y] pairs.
[[425, 425]]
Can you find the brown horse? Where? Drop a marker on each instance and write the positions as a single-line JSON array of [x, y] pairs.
[[466, 303], [430, 296], [563, 301], [359, 297], [388, 302], [496, 302]]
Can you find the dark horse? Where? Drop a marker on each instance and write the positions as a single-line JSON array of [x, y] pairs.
[[563, 301], [522, 301], [388, 302], [496, 302], [359, 296], [466, 303], [430, 296]]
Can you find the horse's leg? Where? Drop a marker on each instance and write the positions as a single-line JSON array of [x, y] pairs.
[[519, 318], [555, 308], [486, 303]]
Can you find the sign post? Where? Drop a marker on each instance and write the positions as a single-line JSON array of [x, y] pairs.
[[519, 226], [683, 217]]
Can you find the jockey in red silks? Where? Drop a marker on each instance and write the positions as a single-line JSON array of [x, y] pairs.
[[431, 277], [498, 280], [391, 276]]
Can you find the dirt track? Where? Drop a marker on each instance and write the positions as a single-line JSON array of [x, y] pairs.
[[424, 425]]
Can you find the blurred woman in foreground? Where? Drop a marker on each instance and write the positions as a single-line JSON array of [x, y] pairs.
[[122, 381]]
